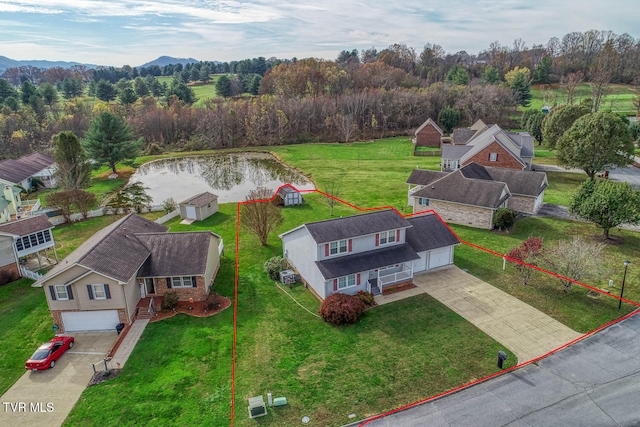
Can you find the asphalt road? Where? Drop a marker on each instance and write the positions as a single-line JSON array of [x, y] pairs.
[[595, 382]]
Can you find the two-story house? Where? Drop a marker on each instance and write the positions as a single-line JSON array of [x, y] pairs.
[[22, 171], [367, 252], [99, 284], [22, 238]]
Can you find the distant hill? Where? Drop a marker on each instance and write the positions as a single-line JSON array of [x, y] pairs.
[[166, 60], [10, 63]]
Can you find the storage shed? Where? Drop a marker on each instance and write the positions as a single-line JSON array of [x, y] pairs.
[[199, 207], [289, 195]]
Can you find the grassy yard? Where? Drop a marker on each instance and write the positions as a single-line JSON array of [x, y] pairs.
[[26, 323], [69, 236], [562, 186], [620, 99], [575, 309], [397, 354]]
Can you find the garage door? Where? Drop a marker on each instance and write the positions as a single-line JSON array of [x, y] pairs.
[[191, 212], [100, 320], [420, 264], [439, 257]]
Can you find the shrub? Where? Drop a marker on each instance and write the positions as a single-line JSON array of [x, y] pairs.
[[274, 266], [154, 149], [340, 309], [169, 205], [504, 218], [365, 297], [170, 301]]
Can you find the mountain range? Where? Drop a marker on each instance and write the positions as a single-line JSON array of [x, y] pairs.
[[161, 61]]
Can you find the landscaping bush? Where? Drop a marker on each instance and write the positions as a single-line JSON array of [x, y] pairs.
[[170, 301], [340, 309], [274, 266], [504, 219], [365, 297]]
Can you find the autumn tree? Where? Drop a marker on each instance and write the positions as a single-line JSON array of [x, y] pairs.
[[109, 141], [259, 215], [596, 142], [559, 120], [63, 200], [577, 259], [518, 80], [83, 201], [607, 204], [529, 252], [73, 169], [569, 83]]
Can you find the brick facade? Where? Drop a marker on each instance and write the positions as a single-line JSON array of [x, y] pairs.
[[199, 293], [505, 158], [522, 204], [12, 273], [428, 137], [456, 213]]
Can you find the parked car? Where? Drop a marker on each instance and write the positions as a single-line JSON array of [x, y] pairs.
[[48, 353]]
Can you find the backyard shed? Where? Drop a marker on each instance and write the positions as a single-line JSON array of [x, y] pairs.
[[289, 195], [199, 207]]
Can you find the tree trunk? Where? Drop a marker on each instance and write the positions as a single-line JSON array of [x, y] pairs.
[[113, 167], [591, 175], [606, 233]]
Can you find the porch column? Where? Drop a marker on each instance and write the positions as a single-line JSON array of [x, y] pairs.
[[39, 260], [56, 254]]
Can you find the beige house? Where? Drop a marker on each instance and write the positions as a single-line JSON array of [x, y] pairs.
[[471, 195], [100, 284], [199, 207]]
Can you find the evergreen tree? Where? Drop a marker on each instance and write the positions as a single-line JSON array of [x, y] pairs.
[[254, 85], [105, 91], [521, 90], [457, 75], [110, 141], [491, 76], [140, 87], [543, 72], [27, 90], [49, 94], [223, 86], [449, 118], [181, 91], [7, 91], [204, 74], [127, 96]]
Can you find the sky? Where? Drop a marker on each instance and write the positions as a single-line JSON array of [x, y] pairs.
[[133, 32]]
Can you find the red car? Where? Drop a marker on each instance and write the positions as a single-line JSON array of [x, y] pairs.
[[47, 354]]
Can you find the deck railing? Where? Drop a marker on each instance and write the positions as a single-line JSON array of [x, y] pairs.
[[395, 277]]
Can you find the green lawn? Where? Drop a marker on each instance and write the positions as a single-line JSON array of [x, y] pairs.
[[69, 236], [620, 99], [562, 186], [396, 354], [26, 323]]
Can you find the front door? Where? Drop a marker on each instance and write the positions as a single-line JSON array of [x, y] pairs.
[[150, 287], [142, 287]]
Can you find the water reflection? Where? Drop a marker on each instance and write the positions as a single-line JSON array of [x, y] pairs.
[[230, 176]]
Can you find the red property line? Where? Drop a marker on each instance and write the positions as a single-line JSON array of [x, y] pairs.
[[454, 390]]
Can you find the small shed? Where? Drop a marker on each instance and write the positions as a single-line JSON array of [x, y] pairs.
[[199, 207], [289, 195], [428, 134]]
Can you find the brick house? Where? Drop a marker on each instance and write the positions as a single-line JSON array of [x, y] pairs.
[[428, 134], [100, 284], [22, 238], [488, 146], [471, 195], [368, 252]]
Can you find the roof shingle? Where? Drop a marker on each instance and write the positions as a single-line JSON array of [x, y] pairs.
[[16, 171], [200, 200], [428, 232], [26, 226], [357, 225]]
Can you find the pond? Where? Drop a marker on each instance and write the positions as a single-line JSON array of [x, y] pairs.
[[229, 176]]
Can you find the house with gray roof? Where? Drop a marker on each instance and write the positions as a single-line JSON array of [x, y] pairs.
[[471, 195], [22, 171], [101, 283], [199, 207], [488, 145], [368, 252]]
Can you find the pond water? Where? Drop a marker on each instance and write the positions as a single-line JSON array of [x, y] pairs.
[[229, 176]]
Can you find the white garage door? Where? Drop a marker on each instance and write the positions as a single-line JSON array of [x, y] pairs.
[[100, 320], [420, 264], [191, 212], [439, 257]]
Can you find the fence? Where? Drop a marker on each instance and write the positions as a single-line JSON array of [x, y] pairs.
[[417, 151], [25, 272], [168, 216], [57, 220]]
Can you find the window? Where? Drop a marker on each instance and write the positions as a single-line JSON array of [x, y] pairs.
[[340, 246], [493, 157], [40, 237], [333, 248], [181, 282], [98, 292], [343, 246], [61, 292], [347, 281], [383, 238], [423, 201], [387, 237], [47, 235]]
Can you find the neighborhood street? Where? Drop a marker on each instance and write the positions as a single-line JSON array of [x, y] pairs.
[[595, 382]]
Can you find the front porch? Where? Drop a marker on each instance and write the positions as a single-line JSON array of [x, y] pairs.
[[386, 277]]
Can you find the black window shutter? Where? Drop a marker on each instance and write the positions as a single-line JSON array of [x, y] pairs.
[[90, 291], [52, 290], [168, 282], [69, 292], [107, 292], [193, 282]]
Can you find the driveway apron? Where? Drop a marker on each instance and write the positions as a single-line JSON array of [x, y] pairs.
[[45, 398], [524, 330]]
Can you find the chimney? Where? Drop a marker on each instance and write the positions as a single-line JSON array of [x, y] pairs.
[[124, 231]]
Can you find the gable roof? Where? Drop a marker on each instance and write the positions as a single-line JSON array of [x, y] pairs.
[[457, 188], [525, 141], [526, 183], [424, 177], [497, 135], [200, 200], [362, 261], [168, 255], [462, 135], [454, 152], [113, 251], [428, 122], [285, 189], [26, 226], [16, 171], [358, 225], [427, 232]]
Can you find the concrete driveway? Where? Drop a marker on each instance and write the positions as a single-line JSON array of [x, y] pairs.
[[525, 330], [45, 398]]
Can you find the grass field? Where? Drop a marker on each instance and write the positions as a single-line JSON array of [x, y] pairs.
[[203, 92], [26, 323], [620, 99]]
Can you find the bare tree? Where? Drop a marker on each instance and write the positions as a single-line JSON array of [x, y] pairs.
[[570, 83], [576, 259], [84, 201], [259, 215], [602, 72], [333, 189], [346, 124]]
